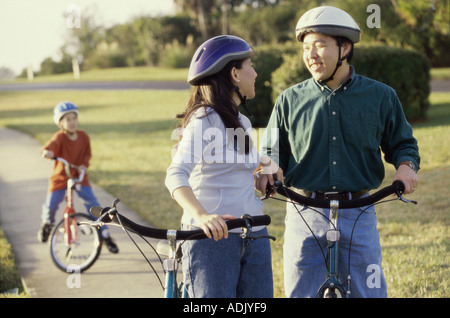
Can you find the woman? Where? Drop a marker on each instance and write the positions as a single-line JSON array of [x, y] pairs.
[[211, 175]]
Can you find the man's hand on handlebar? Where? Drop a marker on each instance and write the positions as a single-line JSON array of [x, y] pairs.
[[266, 175]]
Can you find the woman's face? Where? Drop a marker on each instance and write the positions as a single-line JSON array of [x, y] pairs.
[[244, 78]]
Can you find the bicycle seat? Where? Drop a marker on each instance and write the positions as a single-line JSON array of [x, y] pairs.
[[163, 248]]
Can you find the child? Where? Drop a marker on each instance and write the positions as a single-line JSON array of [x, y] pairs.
[[74, 146]]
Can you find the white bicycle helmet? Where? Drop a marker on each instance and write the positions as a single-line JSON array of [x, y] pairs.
[[330, 21]]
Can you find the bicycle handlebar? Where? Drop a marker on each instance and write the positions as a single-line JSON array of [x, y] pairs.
[[69, 165], [107, 215], [397, 187]]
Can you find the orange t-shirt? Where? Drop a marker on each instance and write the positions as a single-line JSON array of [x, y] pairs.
[[77, 152]]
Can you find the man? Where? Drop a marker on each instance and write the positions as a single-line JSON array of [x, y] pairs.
[[330, 131]]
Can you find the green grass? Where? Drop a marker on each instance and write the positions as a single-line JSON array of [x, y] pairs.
[[440, 73], [130, 133], [142, 73], [9, 275]]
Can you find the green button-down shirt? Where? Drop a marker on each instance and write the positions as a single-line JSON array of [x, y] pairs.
[[327, 140]]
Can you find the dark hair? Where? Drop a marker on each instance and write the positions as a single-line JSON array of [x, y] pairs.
[[340, 40], [216, 92]]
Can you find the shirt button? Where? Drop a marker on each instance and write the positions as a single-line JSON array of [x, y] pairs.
[[334, 187], [334, 113], [334, 162], [334, 138]]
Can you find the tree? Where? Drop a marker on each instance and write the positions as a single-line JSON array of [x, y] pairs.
[[200, 10], [6, 73]]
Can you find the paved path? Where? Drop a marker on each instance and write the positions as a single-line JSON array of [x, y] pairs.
[[440, 86], [23, 186]]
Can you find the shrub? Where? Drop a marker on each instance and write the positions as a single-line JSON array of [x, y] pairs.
[[406, 71], [266, 60], [176, 56]]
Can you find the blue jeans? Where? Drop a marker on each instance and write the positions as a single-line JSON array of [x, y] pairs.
[[304, 266], [228, 268], [50, 207]]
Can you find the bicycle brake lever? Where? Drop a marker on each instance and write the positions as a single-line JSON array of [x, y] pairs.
[[406, 200], [401, 198], [248, 233], [96, 223]]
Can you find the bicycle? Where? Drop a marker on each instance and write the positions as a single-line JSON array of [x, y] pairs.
[[74, 246], [170, 241], [333, 286]]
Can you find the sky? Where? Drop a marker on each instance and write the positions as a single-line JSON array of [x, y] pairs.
[[32, 30]]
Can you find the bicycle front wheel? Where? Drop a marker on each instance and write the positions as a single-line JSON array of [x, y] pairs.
[[84, 248]]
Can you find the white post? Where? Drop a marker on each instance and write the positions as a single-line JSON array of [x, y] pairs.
[[30, 74], [76, 69]]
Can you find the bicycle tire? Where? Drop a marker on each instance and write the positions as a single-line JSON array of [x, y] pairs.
[[81, 255]]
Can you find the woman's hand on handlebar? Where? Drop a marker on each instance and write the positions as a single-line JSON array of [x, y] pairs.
[[214, 225]]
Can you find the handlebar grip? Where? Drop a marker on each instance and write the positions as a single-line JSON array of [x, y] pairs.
[[399, 185], [97, 211]]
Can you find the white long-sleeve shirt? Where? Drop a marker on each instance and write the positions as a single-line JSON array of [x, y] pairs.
[[208, 161]]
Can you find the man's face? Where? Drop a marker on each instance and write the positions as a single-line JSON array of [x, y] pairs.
[[320, 54]]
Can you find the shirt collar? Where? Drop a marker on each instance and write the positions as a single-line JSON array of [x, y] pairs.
[[345, 83]]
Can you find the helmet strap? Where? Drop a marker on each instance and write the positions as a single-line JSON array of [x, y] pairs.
[[339, 62], [243, 100]]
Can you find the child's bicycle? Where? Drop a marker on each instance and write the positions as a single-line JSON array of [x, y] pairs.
[[333, 286], [170, 242], [73, 246]]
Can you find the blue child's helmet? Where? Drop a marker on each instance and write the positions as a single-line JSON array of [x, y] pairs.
[[63, 108], [214, 54]]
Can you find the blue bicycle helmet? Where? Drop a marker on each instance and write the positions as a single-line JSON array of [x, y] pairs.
[[214, 54], [63, 108]]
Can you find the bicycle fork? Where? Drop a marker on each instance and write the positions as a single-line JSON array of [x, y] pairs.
[[332, 287]]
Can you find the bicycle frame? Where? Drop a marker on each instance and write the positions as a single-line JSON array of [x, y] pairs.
[[70, 223], [68, 244]]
